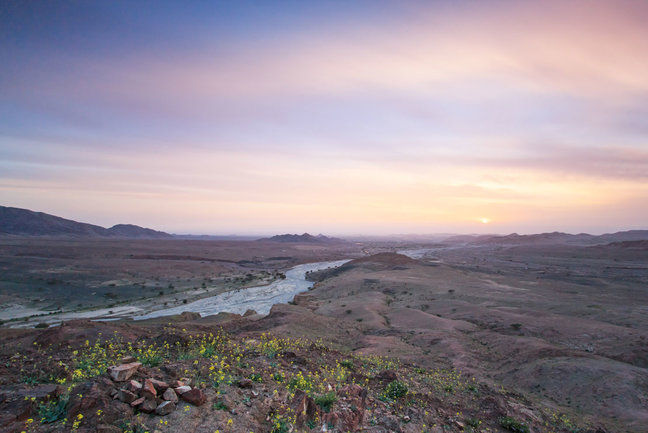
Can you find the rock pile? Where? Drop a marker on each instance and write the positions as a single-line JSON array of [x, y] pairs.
[[151, 395]]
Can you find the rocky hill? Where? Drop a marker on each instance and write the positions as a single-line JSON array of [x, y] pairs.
[[550, 238], [306, 238], [133, 231], [24, 222]]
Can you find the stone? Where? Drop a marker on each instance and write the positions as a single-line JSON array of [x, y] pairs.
[[182, 389], [350, 415], [90, 396], [41, 392], [16, 409], [148, 390], [387, 375], [128, 360], [165, 408], [123, 372], [390, 422], [134, 386], [195, 397], [303, 407], [245, 383], [170, 395], [249, 312], [159, 385], [126, 396], [148, 406], [106, 428], [137, 402]]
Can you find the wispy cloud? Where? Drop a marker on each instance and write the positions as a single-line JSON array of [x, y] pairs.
[[425, 114]]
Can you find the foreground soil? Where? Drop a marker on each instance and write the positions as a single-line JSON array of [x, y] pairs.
[[194, 377]]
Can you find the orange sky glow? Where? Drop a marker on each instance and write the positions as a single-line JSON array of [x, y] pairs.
[[363, 118]]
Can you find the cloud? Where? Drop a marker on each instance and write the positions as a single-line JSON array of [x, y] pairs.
[[588, 49], [437, 112]]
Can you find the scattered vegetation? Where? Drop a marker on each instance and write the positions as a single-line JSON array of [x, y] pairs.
[[219, 405], [326, 401], [513, 425], [396, 390], [52, 410], [233, 368]]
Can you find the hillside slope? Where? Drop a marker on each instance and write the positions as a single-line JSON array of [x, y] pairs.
[[196, 378], [24, 222]]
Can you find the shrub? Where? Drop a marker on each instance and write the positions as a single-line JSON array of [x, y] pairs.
[[396, 389], [150, 356], [52, 410], [280, 425], [326, 401], [255, 377], [513, 425], [219, 405]]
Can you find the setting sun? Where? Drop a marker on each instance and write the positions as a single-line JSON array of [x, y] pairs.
[[390, 123]]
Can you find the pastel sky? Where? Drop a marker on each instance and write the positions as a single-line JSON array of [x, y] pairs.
[[339, 117]]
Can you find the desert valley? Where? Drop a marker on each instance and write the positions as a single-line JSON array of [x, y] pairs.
[[485, 333], [323, 216]]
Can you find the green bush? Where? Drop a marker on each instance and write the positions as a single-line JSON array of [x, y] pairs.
[[255, 377], [52, 410], [326, 401], [513, 425], [150, 359], [396, 389], [219, 405]]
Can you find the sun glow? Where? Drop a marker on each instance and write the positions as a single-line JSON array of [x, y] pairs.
[[484, 220]]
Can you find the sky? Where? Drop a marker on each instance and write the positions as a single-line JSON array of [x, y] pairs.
[[336, 117]]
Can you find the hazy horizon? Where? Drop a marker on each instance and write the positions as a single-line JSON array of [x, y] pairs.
[[394, 234], [331, 117]]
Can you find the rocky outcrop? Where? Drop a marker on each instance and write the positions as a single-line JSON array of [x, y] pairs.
[[304, 408], [195, 396], [123, 372]]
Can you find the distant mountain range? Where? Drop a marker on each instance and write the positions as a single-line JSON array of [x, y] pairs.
[[550, 238], [320, 239], [24, 222]]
